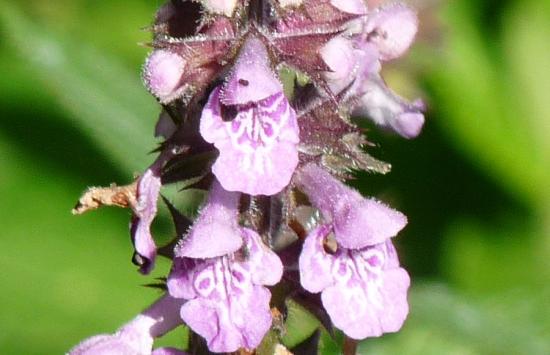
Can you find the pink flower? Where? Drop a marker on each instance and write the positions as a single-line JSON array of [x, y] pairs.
[[364, 291], [227, 303], [388, 110], [358, 222], [253, 126]]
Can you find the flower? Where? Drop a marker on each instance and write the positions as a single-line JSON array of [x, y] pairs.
[[253, 126], [225, 119], [358, 222], [388, 110], [354, 62], [135, 337], [364, 291], [226, 302], [148, 189]]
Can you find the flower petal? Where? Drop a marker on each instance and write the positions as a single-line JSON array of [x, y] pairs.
[[388, 110], [216, 231], [290, 3], [314, 262], [341, 57], [162, 74], [147, 195], [357, 222], [251, 78], [268, 268], [136, 337], [392, 28], [222, 7], [168, 351], [230, 312], [181, 278], [356, 7], [368, 293]]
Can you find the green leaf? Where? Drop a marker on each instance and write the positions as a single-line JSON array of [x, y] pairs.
[[443, 321], [64, 278], [526, 41], [300, 324], [102, 97], [478, 114]]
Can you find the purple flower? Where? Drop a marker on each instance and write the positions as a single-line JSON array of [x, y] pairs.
[[253, 126], [388, 110], [358, 222], [227, 303], [136, 337], [144, 212], [216, 231], [354, 62], [364, 291]]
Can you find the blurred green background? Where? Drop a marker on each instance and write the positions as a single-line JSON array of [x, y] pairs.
[[475, 185]]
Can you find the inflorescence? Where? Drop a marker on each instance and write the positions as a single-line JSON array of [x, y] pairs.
[[260, 105]]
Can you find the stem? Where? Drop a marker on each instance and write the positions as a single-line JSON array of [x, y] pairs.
[[350, 346], [257, 12]]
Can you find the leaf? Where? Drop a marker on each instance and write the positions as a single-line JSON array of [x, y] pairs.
[[525, 37], [102, 97], [300, 324], [443, 321], [479, 116], [65, 277]]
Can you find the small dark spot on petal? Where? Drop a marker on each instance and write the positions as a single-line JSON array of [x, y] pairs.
[[243, 82]]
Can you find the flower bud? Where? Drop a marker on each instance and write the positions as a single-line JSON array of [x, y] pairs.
[[162, 74], [341, 58], [388, 110], [392, 28], [220, 7]]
